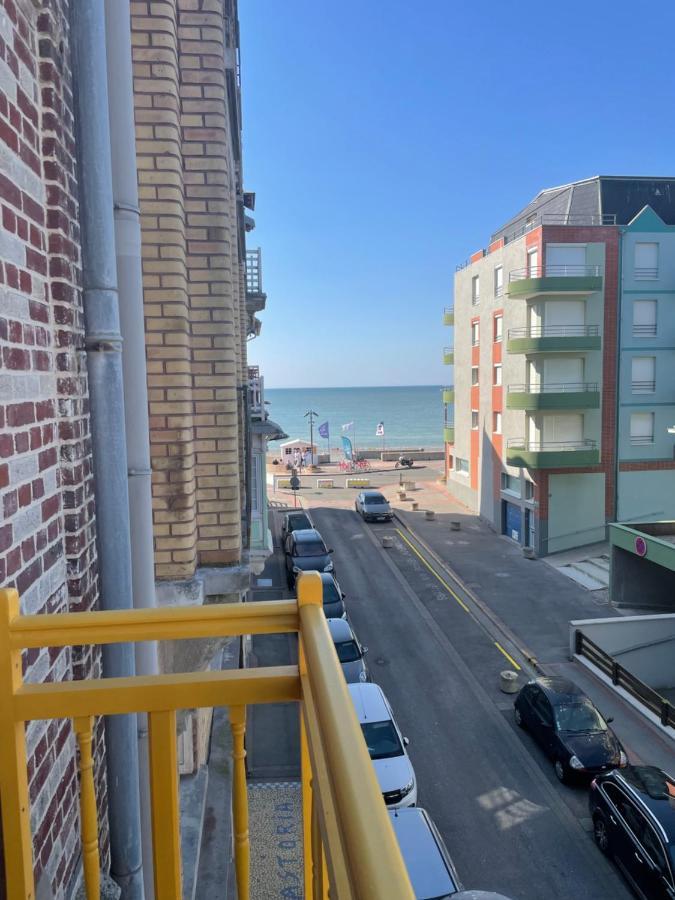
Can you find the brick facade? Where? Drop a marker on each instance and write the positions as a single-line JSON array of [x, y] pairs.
[[47, 530], [187, 130]]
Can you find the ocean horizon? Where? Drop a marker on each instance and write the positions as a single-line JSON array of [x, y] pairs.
[[412, 415]]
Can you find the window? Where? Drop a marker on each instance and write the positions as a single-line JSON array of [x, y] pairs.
[[565, 259], [497, 422], [497, 374], [474, 375], [642, 428], [474, 418], [644, 318], [643, 374], [533, 263], [529, 490], [511, 483], [498, 328], [646, 265], [499, 281], [461, 466], [475, 289], [475, 333], [255, 482]]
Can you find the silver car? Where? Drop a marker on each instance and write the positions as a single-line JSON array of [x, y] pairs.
[[373, 507], [349, 651]]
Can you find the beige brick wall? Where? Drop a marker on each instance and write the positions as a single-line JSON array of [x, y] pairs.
[[192, 283]]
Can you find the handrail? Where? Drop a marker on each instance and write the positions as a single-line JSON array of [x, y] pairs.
[[543, 331], [353, 833], [643, 387], [554, 272], [544, 446], [621, 677], [563, 387]]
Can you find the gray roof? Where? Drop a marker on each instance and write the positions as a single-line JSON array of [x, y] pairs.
[[603, 199]]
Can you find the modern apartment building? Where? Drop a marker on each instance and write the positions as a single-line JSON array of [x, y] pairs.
[[564, 365]]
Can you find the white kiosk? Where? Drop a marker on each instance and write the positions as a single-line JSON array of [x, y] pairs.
[[292, 450]]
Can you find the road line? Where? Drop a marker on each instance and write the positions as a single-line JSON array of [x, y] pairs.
[[507, 655], [434, 573]]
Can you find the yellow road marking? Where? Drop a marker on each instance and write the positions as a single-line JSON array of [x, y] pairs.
[[453, 594], [507, 655]]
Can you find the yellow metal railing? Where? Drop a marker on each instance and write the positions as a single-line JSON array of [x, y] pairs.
[[350, 850]]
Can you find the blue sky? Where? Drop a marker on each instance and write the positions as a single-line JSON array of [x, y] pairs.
[[385, 140]]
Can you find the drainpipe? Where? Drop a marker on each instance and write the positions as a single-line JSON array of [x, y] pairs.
[[103, 344], [619, 313], [130, 288]]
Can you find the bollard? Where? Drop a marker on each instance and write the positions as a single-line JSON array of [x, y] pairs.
[[455, 526], [401, 495], [387, 541], [429, 515], [528, 553], [508, 682], [415, 505]]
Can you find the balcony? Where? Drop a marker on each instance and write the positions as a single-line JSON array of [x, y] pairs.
[[255, 297], [256, 393], [448, 356], [350, 849], [449, 433], [448, 395], [558, 281], [551, 455], [449, 315], [570, 395], [553, 338]]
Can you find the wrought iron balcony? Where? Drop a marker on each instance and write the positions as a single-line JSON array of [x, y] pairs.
[[553, 338], [255, 297], [564, 395], [350, 849], [256, 393], [571, 281], [551, 454]]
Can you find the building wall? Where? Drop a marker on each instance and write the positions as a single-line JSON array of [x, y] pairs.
[[47, 535], [576, 510]]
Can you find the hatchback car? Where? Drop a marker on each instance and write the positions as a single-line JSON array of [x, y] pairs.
[[373, 507], [349, 651], [305, 551], [295, 521], [333, 597], [568, 727], [633, 812], [430, 869], [386, 745]]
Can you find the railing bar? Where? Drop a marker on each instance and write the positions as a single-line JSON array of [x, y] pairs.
[[84, 729], [153, 693], [242, 846], [164, 801]]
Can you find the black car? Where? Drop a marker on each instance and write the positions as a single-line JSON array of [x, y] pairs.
[[305, 551], [333, 598], [350, 652], [633, 812], [568, 727], [295, 521]]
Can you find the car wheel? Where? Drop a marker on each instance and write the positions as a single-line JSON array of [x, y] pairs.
[[601, 833], [518, 716], [561, 771]]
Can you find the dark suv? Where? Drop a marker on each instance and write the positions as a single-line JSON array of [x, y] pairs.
[[633, 812], [305, 551]]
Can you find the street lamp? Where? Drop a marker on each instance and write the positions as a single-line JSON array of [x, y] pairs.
[[311, 415]]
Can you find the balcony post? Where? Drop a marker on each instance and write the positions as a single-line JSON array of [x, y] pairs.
[[242, 848], [307, 787], [84, 727], [16, 834]]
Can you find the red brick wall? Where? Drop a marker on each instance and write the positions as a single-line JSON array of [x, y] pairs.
[[47, 530]]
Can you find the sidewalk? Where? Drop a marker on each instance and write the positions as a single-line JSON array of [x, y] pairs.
[[536, 603]]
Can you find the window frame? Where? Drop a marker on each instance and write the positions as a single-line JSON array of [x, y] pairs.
[[497, 367], [498, 288], [498, 337], [476, 413], [653, 329], [475, 289], [475, 369], [495, 413], [646, 273], [639, 386], [638, 440], [475, 341]]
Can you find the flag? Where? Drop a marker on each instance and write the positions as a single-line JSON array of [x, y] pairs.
[[347, 448], [347, 426], [379, 431], [323, 430]]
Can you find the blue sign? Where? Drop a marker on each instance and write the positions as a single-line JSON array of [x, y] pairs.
[[323, 430], [347, 448]]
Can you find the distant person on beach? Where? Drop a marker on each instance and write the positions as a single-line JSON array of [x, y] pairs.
[[304, 457]]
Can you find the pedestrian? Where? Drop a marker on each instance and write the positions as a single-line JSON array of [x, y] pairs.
[[304, 456]]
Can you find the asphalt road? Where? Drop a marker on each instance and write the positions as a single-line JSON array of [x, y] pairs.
[[508, 824]]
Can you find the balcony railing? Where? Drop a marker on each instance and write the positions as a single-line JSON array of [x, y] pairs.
[[449, 315], [645, 273], [567, 387], [643, 387], [560, 219], [448, 356], [641, 440], [350, 848], [644, 330], [549, 446], [254, 271], [541, 331], [555, 272], [256, 393]]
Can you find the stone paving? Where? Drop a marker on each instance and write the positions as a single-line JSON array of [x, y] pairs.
[[275, 823]]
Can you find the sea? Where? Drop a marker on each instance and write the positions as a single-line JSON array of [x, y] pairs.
[[412, 416]]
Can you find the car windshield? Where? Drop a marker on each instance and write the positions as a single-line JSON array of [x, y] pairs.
[[310, 548], [579, 717], [375, 499], [382, 739], [330, 592], [348, 651], [296, 523]]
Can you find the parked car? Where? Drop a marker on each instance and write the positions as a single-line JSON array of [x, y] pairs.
[[297, 520], [333, 597], [373, 507], [430, 869], [568, 727], [305, 551], [386, 745], [349, 651], [633, 812]]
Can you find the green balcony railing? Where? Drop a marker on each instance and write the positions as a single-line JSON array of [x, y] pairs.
[[553, 338], [550, 454], [569, 395], [449, 315], [448, 356], [448, 395], [534, 281], [449, 434]]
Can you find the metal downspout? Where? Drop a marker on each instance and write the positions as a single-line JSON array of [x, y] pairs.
[[619, 313], [103, 343], [130, 289]]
